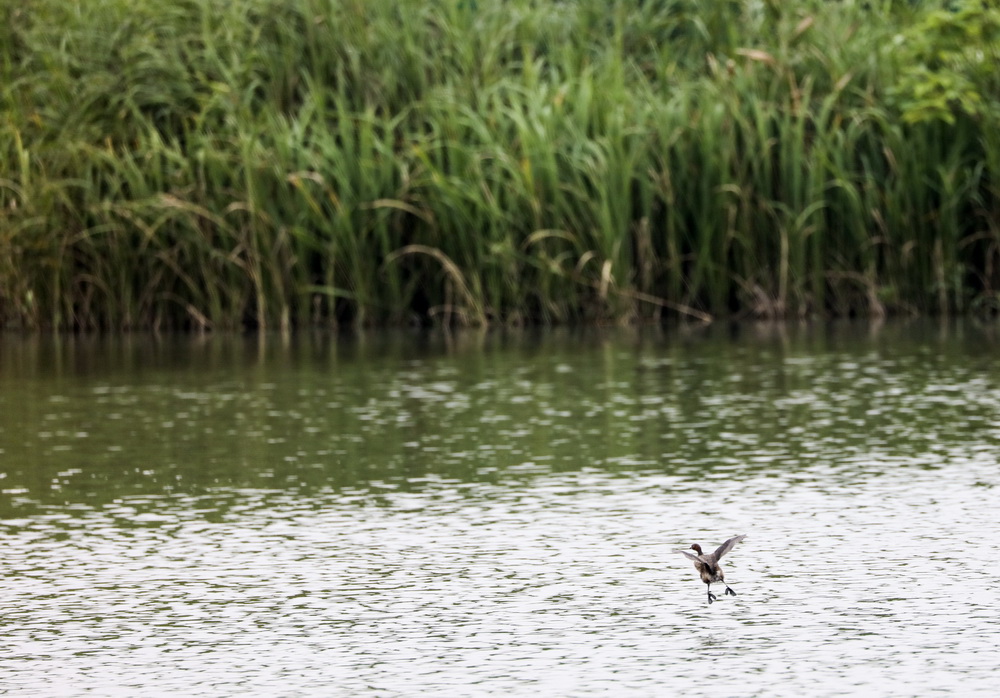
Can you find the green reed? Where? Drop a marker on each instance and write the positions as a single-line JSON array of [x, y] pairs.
[[210, 164]]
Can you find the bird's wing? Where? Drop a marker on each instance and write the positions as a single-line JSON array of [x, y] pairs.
[[727, 546], [687, 554]]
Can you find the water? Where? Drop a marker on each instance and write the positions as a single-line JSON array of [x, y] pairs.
[[400, 514]]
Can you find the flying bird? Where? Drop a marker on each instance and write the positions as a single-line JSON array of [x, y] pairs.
[[708, 564]]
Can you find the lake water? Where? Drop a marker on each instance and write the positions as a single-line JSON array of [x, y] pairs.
[[402, 514]]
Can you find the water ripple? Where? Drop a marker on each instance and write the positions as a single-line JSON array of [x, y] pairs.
[[461, 585], [502, 522]]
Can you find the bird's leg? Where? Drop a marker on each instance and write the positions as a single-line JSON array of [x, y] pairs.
[[711, 596], [729, 592]]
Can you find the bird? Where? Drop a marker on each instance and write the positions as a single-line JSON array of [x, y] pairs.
[[708, 565]]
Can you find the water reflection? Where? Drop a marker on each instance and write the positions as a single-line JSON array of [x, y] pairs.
[[498, 515]]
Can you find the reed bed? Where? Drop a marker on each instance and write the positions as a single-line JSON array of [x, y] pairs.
[[268, 163]]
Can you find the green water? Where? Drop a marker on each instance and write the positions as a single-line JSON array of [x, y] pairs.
[[87, 420]]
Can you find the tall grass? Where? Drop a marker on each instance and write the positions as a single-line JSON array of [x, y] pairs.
[[266, 163]]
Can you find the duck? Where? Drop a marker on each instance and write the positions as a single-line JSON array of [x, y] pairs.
[[708, 564]]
